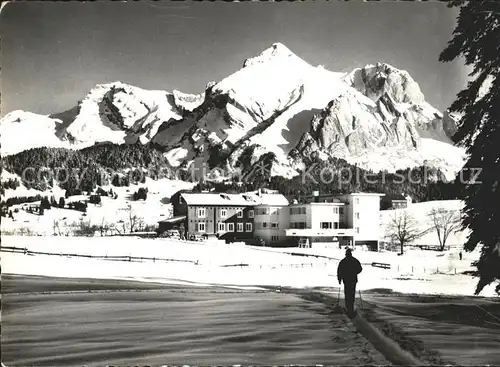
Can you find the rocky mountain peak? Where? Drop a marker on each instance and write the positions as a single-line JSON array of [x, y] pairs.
[[375, 81], [277, 51]]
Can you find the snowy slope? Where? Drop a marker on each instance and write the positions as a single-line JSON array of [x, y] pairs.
[[20, 130], [269, 103], [114, 112], [383, 123], [119, 113]]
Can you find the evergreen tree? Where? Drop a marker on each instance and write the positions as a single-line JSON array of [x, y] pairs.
[[61, 202], [45, 203], [477, 39]]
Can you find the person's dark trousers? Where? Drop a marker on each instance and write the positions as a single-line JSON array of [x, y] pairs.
[[349, 294]]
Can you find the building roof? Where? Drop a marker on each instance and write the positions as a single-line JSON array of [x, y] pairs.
[[321, 203], [245, 199]]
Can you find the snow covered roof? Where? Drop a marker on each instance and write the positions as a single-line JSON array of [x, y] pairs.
[[222, 199], [273, 200], [366, 194]]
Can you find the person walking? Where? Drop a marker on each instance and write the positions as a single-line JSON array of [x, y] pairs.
[[347, 272], [460, 255]]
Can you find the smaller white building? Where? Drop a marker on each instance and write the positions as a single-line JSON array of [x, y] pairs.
[[271, 218], [352, 219]]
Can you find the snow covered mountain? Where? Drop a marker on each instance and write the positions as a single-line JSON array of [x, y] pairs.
[[383, 122], [375, 116], [114, 112], [20, 130]]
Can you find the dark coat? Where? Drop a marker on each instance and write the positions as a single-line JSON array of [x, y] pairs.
[[348, 270]]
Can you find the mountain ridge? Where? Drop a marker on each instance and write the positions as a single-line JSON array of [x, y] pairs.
[[276, 103]]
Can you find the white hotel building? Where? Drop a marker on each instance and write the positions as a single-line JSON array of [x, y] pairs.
[[352, 219]]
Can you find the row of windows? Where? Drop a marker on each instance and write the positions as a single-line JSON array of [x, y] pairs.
[[329, 225], [264, 225], [266, 211], [202, 213], [302, 210], [298, 210], [298, 225], [201, 227]]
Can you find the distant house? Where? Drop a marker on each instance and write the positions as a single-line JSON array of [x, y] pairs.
[[172, 223], [395, 202]]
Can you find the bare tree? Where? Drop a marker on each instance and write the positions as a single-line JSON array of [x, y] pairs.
[[134, 221], [56, 228], [103, 227], [444, 222], [403, 229]]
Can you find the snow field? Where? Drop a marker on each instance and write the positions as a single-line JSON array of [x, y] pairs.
[[110, 211], [265, 268]]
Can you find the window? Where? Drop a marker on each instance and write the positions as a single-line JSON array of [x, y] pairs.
[[341, 210], [222, 227], [356, 200], [357, 215], [275, 238], [335, 225], [299, 210], [274, 210], [239, 213], [201, 226], [239, 227], [335, 210], [250, 214], [261, 211], [326, 225], [357, 229], [264, 225], [202, 213], [230, 227], [274, 225], [248, 227], [223, 213]]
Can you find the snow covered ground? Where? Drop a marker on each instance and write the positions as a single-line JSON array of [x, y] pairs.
[[210, 264], [150, 211], [65, 322], [420, 213]]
